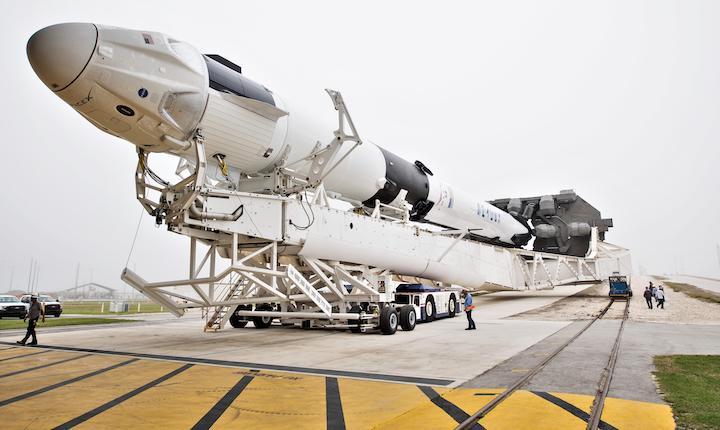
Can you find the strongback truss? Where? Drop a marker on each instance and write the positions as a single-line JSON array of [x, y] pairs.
[[265, 265], [546, 271], [314, 289]]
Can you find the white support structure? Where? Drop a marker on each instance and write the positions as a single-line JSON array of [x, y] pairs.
[[328, 267], [544, 271], [289, 179], [303, 261], [254, 279]]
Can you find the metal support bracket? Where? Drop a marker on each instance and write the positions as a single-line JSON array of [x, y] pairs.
[[321, 161]]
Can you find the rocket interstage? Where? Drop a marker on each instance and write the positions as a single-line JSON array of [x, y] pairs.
[[156, 92]]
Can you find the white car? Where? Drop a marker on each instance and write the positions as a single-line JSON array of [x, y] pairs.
[[11, 306], [51, 306]]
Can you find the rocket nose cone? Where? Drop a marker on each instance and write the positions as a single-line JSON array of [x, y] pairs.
[[60, 53]]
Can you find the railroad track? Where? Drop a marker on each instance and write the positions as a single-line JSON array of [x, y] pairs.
[[603, 384]]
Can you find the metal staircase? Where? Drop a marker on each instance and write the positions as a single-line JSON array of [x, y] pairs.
[[222, 314]]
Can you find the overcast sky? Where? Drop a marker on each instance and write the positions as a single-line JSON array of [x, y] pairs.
[[619, 100]]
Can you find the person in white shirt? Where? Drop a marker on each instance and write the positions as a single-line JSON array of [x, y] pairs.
[[660, 296]]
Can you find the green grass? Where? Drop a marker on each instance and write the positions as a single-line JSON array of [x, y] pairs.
[[693, 291], [691, 384], [8, 324], [95, 308]]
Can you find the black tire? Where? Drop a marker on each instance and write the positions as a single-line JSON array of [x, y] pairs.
[[408, 318], [57, 315], [430, 309], [355, 309], [262, 322], [236, 321], [451, 306], [388, 320]]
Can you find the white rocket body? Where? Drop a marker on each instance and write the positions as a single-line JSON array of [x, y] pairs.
[[155, 92]]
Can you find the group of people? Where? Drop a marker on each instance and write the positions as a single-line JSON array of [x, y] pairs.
[[657, 293]]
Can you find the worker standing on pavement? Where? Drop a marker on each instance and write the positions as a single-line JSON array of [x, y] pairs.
[[653, 290], [648, 297], [33, 314], [468, 310], [660, 296]]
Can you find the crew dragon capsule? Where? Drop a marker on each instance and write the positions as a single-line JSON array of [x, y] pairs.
[[156, 92]]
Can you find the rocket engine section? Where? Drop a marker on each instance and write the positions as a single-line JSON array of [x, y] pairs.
[[562, 223], [157, 92]]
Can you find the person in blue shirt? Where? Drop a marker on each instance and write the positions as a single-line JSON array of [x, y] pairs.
[[468, 310]]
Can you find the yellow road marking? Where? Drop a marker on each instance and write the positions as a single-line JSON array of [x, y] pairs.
[[634, 415], [25, 382], [468, 400], [525, 410], [627, 414], [178, 402], [14, 352], [278, 401], [425, 415], [274, 400], [52, 408], [22, 362], [367, 403]]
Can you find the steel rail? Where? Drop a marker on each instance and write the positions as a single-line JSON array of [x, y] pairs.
[[472, 420], [606, 377]]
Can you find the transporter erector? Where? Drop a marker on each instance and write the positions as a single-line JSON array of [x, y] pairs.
[[250, 159]]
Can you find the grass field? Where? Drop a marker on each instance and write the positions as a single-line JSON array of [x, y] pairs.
[[8, 324], [693, 291], [96, 308], [691, 384]]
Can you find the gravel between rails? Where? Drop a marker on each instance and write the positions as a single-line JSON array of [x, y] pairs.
[[679, 307]]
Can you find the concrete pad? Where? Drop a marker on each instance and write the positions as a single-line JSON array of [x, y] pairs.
[[508, 303], [499, 352], [425, 352], [124, 392], [441, 349], [577, 368], [642, 341]]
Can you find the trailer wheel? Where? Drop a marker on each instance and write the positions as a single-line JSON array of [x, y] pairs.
[[388, 320], [262, 322], [408, 318], [451, 306], [236, 321], [430, 309]]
